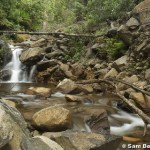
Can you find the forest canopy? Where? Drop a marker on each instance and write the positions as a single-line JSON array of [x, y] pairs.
[[30, 14]]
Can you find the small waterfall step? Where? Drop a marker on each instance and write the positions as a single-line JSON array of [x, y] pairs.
[[18, 73]]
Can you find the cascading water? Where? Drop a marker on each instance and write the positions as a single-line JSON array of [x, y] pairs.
[[18, 73]]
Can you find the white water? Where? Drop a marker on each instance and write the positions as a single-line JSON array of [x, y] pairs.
[[135, 121], [19, 74]]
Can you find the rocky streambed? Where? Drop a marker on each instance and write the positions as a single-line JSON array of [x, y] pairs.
[[76, 100], [62, 121]]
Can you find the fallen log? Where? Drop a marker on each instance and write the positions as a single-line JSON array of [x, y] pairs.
[[52, 34], [144, 117]]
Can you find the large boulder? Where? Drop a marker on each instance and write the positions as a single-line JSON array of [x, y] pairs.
[[143, 11], [53, 118], [31, 56], [13, 127], [86, 141]]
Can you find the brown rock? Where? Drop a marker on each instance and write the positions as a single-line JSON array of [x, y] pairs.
[[72, 98], [42, 91], [67, 86], [38, 43], [32, 55], [66, 71], [53, 118], [85, 88]]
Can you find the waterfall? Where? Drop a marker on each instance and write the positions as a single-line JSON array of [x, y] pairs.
[[18, 71]]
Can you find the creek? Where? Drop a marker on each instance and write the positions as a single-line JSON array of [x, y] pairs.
[[121, 123]]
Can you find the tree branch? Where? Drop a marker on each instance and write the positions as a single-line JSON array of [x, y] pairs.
[[144, 116], [52, 33]]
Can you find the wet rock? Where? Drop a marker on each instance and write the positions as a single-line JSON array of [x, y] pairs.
[[43, 65], [98, 122], [39, 143], [67, 86], [53, 118], [5, 74], [31, 56], [13, 127], [112, 73], [42, 91], [87, 141], [138, 98], [39, 43], [132, 23]]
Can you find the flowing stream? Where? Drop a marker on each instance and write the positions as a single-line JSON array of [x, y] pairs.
[[121, 122]]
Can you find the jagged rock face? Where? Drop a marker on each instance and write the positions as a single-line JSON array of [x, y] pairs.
[[143, 10]]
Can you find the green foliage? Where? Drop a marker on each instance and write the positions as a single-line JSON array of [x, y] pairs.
[[115, 48], [21, 14], [75, 53], [31, 14]]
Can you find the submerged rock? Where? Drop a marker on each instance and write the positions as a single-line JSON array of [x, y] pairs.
[[42, 91], [53, 118]]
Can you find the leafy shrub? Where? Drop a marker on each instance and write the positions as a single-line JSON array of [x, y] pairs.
[[115, 48]]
